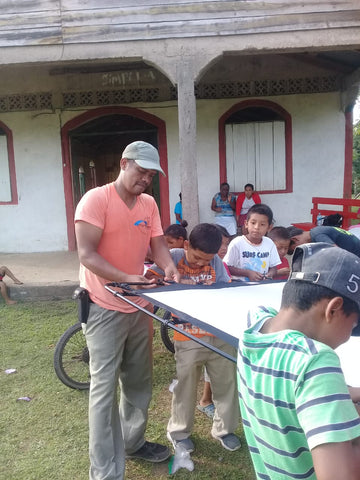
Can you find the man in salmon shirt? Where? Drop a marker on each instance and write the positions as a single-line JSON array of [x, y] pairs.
[[114, 226]]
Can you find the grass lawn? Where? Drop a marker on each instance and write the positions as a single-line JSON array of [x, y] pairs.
[[46, 437]]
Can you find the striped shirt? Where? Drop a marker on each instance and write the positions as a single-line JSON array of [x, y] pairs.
[[226, 209], [293, 397]]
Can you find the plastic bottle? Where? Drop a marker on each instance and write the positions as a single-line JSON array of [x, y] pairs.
[[181, 459], [319, 219]]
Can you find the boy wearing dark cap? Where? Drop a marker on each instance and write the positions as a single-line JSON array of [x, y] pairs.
[[298, 416], [331, 235]]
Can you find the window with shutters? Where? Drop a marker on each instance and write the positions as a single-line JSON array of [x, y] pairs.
[[256, 147]]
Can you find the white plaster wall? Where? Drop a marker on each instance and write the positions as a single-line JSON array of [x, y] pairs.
[[318, 127], [38, 222]]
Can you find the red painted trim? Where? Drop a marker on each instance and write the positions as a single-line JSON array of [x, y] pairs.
[[68, 193], [345, 203], [66, 157], [288, 140], [348, 154], [12, 171]]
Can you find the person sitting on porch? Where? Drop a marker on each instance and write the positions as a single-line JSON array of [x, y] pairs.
[[178, 213], [223, 204], [244, 201], [3, 288]]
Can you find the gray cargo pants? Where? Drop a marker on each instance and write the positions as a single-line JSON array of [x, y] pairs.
[[120, 347]]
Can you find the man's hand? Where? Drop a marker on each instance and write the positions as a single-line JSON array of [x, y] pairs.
[[163, 259], [145, 282], [171, 274]]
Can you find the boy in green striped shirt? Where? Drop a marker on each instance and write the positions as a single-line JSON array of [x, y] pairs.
[[299, 419]]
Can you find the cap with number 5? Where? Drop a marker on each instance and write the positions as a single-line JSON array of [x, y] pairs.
[[329, 266]]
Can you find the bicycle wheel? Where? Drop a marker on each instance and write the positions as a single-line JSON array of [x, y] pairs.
[[167, 333], [71, 359]]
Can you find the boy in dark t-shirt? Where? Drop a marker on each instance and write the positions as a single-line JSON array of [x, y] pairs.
[[332, 235]]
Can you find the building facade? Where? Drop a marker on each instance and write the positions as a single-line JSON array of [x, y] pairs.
[[235, 91]]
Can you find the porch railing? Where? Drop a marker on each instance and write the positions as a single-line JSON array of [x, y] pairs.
[[322, 206]]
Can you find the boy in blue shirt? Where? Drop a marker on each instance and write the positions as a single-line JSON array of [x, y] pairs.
[[198, 262]]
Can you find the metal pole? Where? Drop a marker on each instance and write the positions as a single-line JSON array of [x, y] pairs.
[[166, 322]]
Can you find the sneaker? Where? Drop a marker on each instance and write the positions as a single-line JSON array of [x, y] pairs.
[[152, 452], [186, 443], [229, 441]]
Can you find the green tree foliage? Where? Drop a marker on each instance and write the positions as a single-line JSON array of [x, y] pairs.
[[356, 158]]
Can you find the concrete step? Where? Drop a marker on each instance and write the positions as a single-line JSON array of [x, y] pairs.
[[45, 276], [42, 291]]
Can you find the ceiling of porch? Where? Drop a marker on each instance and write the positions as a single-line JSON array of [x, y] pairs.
[[232, 75]]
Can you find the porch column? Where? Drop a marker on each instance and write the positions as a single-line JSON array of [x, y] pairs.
[[348, 99], [187, 143]]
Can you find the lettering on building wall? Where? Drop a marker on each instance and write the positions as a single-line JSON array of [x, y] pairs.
[[127, 78]]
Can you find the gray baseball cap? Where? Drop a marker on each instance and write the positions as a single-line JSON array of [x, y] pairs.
[[144, 154], [332, 267]]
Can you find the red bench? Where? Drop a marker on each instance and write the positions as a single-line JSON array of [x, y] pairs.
[[321, 205]]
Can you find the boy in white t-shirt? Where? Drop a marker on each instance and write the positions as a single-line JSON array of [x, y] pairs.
[[253, 257]]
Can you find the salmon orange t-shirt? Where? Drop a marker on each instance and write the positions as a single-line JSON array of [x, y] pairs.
[[124, 241]]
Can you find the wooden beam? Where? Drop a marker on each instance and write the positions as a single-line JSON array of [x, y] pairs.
[[49, 22], [319, 60]]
